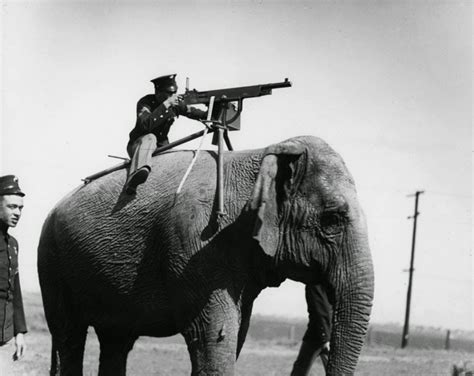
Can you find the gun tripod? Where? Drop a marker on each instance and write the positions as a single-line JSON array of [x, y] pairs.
[[221, 135], [219, 128]]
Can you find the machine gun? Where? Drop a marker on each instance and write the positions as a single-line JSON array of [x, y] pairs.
[[223, 113]]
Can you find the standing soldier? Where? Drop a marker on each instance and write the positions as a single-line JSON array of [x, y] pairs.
[[155, 115], [317, 336], [12, 316]]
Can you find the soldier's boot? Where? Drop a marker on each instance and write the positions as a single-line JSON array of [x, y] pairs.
[[135, 179]]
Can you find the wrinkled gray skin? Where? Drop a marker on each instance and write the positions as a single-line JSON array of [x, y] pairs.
[[157, 264]]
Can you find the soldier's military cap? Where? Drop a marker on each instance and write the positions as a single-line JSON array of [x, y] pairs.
[[165, 83], [9, 186]]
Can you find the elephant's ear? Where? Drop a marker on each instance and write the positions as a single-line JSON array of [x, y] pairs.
[[276, 170]]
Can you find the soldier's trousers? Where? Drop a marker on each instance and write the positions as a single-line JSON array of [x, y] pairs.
[[6, 361], [141, 152], [319, 314], [318, 332]]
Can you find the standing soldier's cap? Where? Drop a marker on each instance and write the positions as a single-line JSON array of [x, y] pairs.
[[165, 83], [9, 186]]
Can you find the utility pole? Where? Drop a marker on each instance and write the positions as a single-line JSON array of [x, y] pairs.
[[410, 278]]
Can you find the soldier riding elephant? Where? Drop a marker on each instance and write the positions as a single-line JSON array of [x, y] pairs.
[[158, 263]]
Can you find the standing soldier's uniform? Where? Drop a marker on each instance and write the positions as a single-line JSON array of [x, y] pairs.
[[12, 315]]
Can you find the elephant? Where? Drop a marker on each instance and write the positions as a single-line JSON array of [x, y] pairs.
[[160, 263]]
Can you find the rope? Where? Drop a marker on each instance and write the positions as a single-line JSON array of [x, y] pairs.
[[209, 114], [192, 162]]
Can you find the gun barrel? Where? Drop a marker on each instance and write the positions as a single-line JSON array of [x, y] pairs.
[[233, 94], [277, 85]]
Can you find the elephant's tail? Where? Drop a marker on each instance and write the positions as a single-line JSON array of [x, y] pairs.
[[55, 368]]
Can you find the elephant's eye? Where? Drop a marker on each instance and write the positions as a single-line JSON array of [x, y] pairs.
[[331, 223]]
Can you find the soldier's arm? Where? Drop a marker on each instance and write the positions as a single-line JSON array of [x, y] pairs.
[[19, 322], [190, 111], [195, 113]]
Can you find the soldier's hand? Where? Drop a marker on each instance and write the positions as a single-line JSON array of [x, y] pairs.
[[20, 347], [173, 100], [182, 108]]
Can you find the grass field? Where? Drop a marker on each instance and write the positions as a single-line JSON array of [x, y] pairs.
[[154, 356]]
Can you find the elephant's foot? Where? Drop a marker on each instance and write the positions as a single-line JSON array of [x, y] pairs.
[[114, 349]]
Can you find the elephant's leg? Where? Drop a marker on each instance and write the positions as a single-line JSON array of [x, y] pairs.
[[114, 349], [67, 352], [212, 337], [68, 331]]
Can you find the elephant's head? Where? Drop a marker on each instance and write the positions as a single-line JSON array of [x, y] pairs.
[[310, 222]]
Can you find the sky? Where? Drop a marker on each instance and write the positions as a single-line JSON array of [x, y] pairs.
[[387, 84]]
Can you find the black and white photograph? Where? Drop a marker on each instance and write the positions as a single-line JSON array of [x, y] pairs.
[[236, 187]]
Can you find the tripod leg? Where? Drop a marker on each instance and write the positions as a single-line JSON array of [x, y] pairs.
[[220, 172]]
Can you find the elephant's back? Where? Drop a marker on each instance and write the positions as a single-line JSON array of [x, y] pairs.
[[100, 232], [100, 220]]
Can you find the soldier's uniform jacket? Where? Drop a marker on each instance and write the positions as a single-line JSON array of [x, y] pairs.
[[12, 315], [154, 117]]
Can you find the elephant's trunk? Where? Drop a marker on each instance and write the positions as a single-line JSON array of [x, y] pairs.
[[353, 303]]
